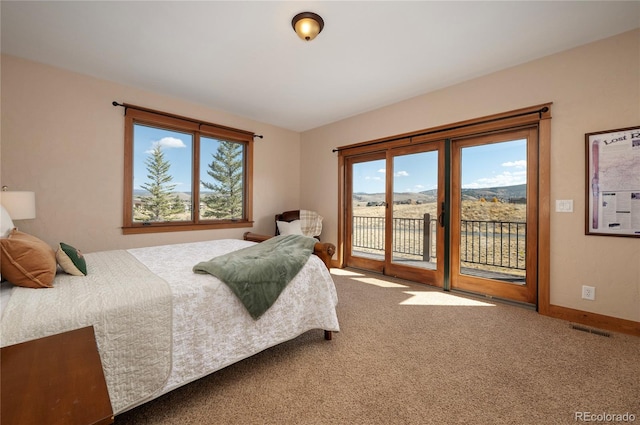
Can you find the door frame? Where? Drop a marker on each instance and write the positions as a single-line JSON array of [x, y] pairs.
[[431, 277], [485, 286], [539, 115], [361, 262], [387, 266]]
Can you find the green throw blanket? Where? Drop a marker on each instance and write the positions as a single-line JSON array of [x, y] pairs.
[[259, 273]]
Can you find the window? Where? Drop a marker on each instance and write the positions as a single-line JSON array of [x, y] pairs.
[[183, 174]]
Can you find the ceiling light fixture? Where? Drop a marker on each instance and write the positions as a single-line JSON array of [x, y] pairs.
[[307, 25]]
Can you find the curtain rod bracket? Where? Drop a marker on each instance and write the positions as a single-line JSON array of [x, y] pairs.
[[542, 111], [114, 103], [258, 135]]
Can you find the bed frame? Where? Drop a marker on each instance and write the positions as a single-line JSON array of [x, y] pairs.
[[323, 250]]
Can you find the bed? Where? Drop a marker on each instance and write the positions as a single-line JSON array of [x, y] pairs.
[[159, 325]]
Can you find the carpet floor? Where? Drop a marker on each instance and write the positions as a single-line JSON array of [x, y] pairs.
[[410, 354]]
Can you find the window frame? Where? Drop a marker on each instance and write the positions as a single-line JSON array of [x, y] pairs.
[[143, 116]]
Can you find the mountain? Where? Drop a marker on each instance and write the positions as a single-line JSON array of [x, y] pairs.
[[503, 193]]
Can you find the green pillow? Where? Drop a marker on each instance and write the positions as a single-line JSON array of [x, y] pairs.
[[71, 260]]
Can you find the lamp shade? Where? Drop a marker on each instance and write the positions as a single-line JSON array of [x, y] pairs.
[[19, 205]]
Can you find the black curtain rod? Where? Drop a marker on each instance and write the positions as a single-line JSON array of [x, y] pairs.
[[114, 103], [539, 112]]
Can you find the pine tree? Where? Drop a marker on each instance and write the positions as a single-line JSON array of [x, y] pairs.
[[226, 170], [160, 205]]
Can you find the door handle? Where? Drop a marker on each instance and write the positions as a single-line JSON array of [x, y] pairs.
[[441, 215]]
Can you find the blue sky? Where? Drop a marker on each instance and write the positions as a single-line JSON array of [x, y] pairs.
[[177, 148], [494, 165], [498, 164]]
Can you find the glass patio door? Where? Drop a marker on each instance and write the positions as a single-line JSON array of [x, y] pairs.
[[493, 215], [394, 223], [366, 206], [415, 216]]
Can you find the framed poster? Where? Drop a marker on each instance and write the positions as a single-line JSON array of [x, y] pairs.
[[613, 182]]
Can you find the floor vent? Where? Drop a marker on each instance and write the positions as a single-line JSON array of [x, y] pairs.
[[589, 330]]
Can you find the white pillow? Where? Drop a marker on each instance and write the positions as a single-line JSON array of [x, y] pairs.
[[289, 228], [6, 224]]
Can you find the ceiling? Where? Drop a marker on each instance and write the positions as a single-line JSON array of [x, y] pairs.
[[244, 57]]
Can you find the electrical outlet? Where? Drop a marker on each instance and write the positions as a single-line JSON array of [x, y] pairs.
[[588, 292]]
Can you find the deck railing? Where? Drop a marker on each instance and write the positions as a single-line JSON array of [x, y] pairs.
[[492, 243]]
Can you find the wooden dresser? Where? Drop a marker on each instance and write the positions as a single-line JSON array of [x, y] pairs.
[[54, 380]]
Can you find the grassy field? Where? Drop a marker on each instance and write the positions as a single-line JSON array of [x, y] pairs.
[[471, 210], [478, 248]]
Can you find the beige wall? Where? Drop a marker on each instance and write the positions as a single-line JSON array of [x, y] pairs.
[[594, 87], [62, 138]]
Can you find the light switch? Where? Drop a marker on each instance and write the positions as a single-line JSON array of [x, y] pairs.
[[564, 205]]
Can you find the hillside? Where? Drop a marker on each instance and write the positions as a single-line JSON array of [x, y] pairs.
[[476, 204], [502, 193]]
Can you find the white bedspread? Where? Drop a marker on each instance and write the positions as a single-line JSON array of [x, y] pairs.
[[211, 327], [129, 308]]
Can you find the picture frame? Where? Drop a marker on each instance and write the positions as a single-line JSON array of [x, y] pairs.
[[612, 198]]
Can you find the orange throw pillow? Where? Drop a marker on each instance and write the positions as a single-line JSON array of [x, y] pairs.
[[27, 261]]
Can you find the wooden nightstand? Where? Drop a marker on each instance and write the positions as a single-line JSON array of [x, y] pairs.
[[54, 380]]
